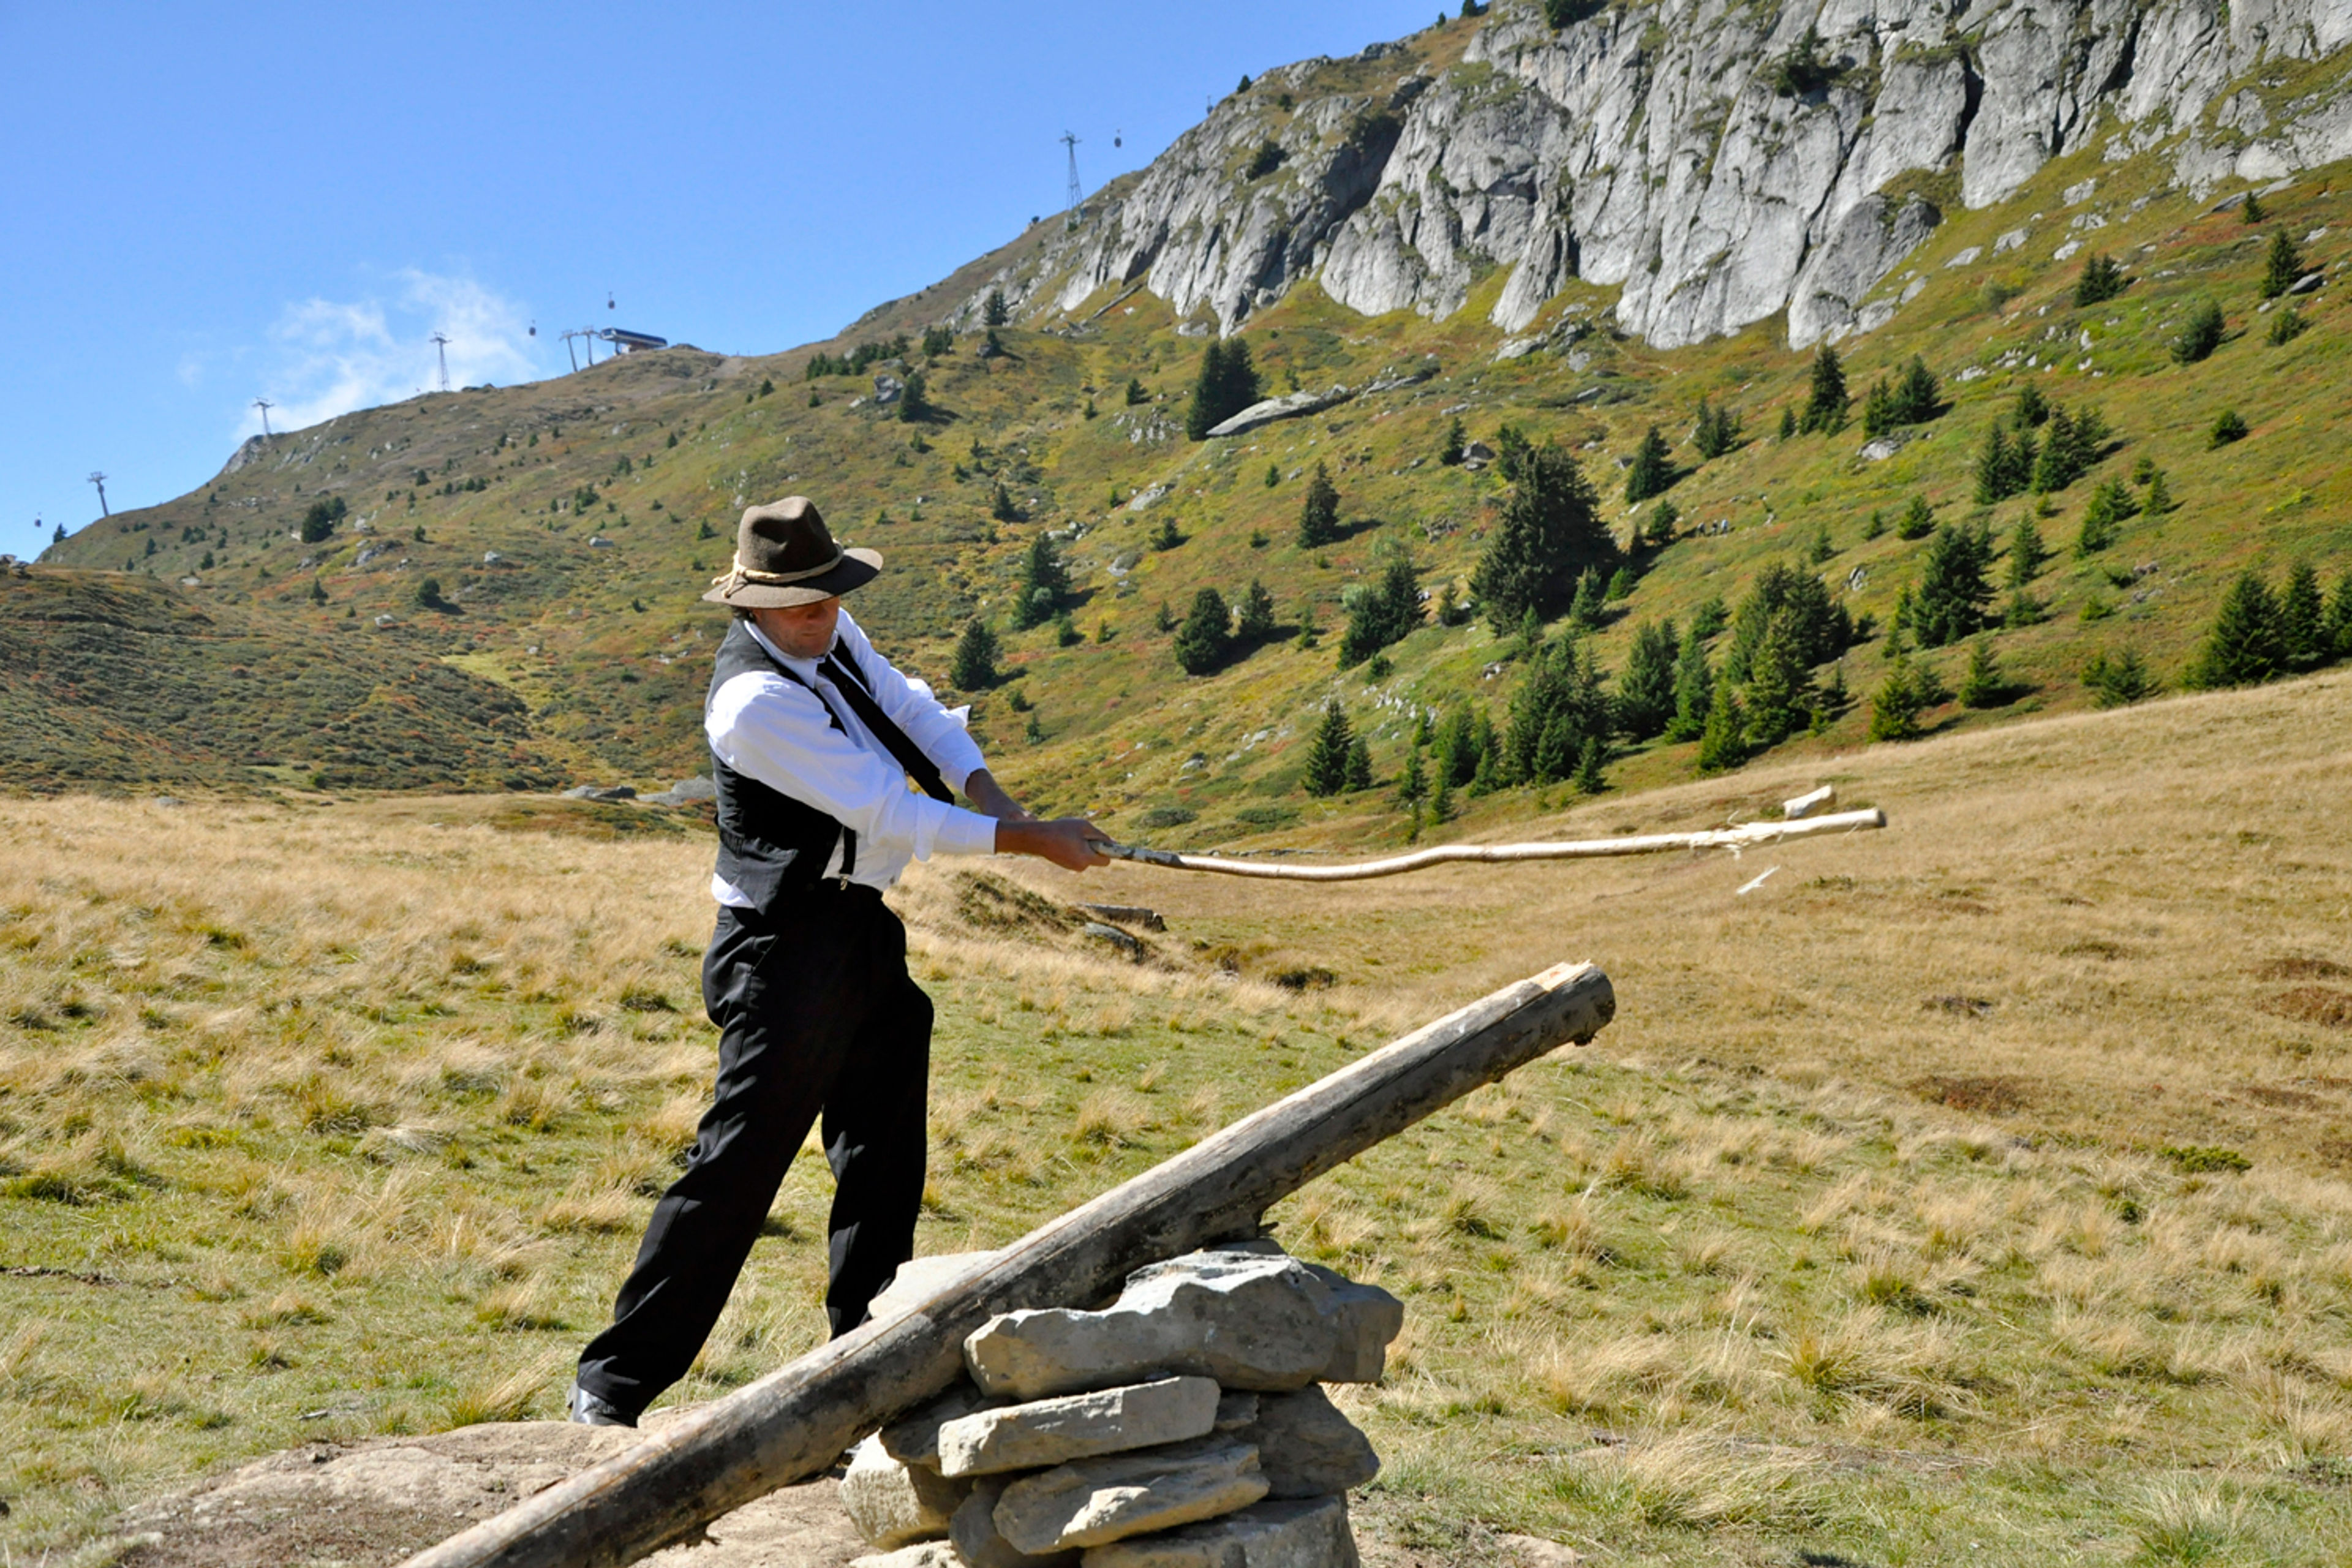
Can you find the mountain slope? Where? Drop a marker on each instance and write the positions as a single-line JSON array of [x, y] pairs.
[[1717, 164], [608, 498]]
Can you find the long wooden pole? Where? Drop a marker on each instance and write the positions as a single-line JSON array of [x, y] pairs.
[[792, 1424], [1731, 838]]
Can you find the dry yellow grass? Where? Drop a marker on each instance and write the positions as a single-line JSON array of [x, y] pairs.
[[329, 1120], [2131, 894]]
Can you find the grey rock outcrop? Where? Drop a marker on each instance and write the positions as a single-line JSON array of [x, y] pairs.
[[1653, 147], [1091, 1502], [1307, 1448], [1078, 1426], [1249, 1319], [1309, 1534], [894, 1504]]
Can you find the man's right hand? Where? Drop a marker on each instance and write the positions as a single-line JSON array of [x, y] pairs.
[[1066, 841]]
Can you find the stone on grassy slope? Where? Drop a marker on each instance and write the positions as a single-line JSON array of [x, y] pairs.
[[920, 1279], [1078, 1426], [981, 1545], [1091, 1502], [895, 1505], [914, 1439], [1311, 1534], [1250, 1318], [1306, 1448]]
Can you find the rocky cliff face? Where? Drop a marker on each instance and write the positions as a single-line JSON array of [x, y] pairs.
[[1690, 153]]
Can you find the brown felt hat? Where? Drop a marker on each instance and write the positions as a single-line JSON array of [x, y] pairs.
[[785, 555]]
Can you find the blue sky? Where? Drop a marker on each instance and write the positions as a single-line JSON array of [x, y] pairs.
[[208, 204]]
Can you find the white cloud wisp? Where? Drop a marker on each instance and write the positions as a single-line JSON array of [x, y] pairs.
[[331, 357]]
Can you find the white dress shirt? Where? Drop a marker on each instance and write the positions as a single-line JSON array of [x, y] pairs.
[[768, 729]]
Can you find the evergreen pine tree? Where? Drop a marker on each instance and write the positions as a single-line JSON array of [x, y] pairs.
[[2201, 336], [2100, 281], [1318, 514], [1550, 532], [2286, 326], [1983, 685], [1357, 770], [1779, 689], [1651, 471], [1413, 788], [995, 311], [1589, 779], [1950, 600], [1723, 742], [1456, 439], [972, 667], [1645, 692], [2027, 553], [2246, 646], [1044, 580], [1918, 396], [1788, 423], [1715, 430], [1457, 746], [1997, 477], [1326, 755], [2032, 407], [1202, 640], [1257, 614], [2302, 619], [2119, 681], [1822, 546], [2250, 211], [1694, 691], [1590, 607], [1895, 706], [1826, 401], [2228, 427], [2282, 267], [1878, 410], [1001, 507], [1919, 520], [2339, 617]]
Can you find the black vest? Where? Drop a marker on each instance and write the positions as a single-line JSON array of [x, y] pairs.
[[769, 843]]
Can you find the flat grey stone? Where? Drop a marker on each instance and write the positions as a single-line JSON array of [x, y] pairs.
[[1236, 1408], [981, 1545], [1078, 1426], [923, 1554], [1307, 1448], [920, 1279], [1092, 1502], [914, 1439], [896, 1505], [1248, 1316], [1309, 1534]]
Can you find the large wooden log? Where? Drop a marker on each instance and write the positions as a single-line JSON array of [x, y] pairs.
[[793, 1423]]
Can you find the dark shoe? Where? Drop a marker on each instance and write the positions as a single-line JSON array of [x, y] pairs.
[[587, 1409]]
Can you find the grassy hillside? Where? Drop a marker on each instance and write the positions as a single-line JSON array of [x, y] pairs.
[[1977, 1181], [114, 679], [609, 497]]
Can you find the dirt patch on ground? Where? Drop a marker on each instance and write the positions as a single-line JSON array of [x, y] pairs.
[[376, 1503], [2300, 969], [2314, 1005], [1981, 1096], [2285, 1099]]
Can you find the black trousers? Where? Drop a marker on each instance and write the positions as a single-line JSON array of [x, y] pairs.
[[816, 1017]]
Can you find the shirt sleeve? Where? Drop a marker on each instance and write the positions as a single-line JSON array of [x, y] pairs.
[[767, 728], [939, 732]]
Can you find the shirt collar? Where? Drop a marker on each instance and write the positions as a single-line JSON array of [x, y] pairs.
[[801, 667]]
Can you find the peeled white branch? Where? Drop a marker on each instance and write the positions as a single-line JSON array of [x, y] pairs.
[[1732, 839]]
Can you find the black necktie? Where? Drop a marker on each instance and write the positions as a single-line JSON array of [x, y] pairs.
[[851, 683]]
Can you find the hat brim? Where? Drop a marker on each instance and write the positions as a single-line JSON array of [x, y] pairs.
[[855, 570]]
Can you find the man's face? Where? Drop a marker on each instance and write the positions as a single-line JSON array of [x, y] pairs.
[[803, 631]]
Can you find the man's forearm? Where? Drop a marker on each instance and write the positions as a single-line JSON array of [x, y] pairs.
[[989, 798]]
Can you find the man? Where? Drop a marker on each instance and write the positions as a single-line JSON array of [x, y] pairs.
[[815, 740]]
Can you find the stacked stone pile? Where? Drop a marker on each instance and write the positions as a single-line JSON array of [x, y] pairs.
[[1183, 1427]]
